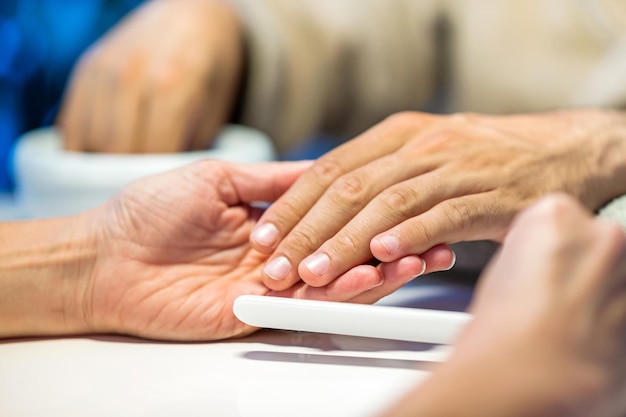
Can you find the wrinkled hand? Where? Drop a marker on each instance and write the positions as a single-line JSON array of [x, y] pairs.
[[163, 80], [173, 254], [416, 181]]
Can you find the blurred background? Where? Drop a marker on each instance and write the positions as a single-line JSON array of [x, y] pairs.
[[40, 40]]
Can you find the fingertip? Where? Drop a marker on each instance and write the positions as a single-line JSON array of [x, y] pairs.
[[264, 237], [274, 285], [277, 269], [424, 266], [385, 247], [358, 280], [439, 258], [277, 273], [453, 261], [314, 266], [321, 269], [404, 269]]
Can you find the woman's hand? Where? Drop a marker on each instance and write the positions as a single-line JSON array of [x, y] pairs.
[[163, 80], [417, 180]]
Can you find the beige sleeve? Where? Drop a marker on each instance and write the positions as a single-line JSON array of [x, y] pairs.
[[334, 66], [535, 55]]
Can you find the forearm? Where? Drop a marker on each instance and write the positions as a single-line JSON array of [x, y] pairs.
[[43, 267]]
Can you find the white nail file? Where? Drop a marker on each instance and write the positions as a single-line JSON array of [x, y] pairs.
[[385, 322]]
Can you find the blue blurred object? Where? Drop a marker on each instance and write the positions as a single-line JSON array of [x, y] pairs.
[[40, 40]]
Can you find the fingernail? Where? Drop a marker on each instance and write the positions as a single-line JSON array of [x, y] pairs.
[[390, 243], [278, 268], [265, 234], [453, 261], [378, 284], [318, 263], [423, 269]]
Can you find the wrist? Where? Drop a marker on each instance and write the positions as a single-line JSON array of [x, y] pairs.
[[602, 143], [45, 268]]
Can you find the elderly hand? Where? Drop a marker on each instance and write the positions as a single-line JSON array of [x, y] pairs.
[[416, 181], [163, 80]]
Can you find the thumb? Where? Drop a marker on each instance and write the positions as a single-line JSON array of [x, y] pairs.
[[265, 182]]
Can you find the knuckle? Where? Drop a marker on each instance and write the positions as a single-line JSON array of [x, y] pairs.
[[303, 240], [326, 169], [165, 78], [441, 137], [420, 233], [349, 191], [128, 71], [463, 118], [459, 214], [400, 200], [402, 120], [210, 177], [346, 244], [211, 170], [287, 214], [289, 210]]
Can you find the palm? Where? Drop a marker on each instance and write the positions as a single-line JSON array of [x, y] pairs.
[[178, 257], [173, 254]]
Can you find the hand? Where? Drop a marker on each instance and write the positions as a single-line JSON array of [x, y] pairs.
[[173, 254], [163, 80], [417, 180], [547, 337]]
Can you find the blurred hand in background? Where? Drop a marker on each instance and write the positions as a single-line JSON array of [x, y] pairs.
[[163, 80]]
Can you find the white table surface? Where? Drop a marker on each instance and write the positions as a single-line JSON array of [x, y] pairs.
[[270, 373]]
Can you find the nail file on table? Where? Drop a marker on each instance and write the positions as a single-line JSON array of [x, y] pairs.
[[385, 322]]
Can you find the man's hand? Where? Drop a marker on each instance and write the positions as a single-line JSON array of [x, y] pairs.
[[417, 180], [163, 80]]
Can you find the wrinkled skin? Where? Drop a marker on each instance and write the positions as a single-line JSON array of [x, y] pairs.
[[417, 180]]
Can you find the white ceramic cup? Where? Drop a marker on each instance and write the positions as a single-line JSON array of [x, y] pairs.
[[53, 182]]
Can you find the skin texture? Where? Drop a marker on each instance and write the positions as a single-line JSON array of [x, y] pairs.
[[162, 80], [164, 259], [417, 180], [547, 338]]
